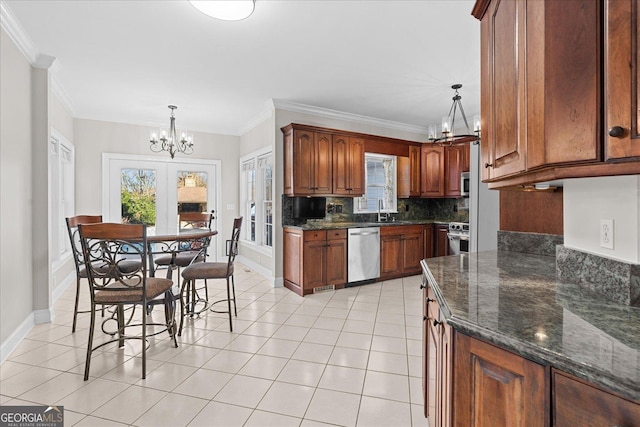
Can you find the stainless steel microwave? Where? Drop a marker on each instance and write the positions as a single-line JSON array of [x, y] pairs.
[[464, 184]]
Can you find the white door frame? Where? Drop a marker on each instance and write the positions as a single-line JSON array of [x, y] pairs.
[[107, 158]]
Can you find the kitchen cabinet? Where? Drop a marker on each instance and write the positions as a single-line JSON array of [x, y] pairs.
[[428, 240], [308, 162], [621, 91], [348, 166], [578, 403], [437, 366], [432, 167], [541, 90], [401, 249], [314, 259], [409, 173], [441, 240], [456, 161], [494, 387]]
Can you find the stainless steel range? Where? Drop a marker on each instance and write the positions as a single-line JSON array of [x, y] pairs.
[[458, 238]]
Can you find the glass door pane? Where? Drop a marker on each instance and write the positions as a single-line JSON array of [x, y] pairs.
[[138, 197]]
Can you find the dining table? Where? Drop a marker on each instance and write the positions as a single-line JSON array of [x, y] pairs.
[[186, 239]]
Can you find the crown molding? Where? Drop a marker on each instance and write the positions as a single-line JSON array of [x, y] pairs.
[[12, 27], [263, 115], [350, 117], [10, 24]]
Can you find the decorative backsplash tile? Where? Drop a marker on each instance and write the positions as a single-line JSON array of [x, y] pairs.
[[446, 210]]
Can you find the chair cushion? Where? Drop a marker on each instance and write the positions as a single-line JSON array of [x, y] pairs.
[[183, 259], [155, 287], [207, 270]]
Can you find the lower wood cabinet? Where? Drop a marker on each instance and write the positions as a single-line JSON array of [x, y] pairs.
[[314, 259], [441, 240], [494, 387], [401, 249], [578, 403]]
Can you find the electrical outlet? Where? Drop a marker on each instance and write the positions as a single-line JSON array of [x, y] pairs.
[[606, 233]]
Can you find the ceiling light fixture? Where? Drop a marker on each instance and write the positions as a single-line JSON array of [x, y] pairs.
[[169, 141], [227, 10], [449, 122]]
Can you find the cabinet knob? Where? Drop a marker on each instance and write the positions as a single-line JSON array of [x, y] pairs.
[[488, 165], [422, 286], [616, 131], [436, 323]]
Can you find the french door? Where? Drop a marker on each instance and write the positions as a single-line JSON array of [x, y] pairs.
[[154, 191]]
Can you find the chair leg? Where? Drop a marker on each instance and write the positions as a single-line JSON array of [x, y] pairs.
[[75, 309], [206, 290], [170, 315], [120, 315], [229, 306], [144, 342], [233, 287], [87, 362], [182, 305]]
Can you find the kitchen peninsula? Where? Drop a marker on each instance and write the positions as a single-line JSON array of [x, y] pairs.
[[502, 330]]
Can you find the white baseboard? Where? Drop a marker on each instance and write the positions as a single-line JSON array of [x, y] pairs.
[[257, 268], [43, 316], [58, 291], [278, 282], [17, 336]]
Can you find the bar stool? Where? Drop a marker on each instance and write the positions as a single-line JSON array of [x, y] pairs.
[[213, 270]]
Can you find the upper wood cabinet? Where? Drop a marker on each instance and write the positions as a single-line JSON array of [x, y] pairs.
[[409, 175], [307, 162], [456, 162], [432, 171], [541, 89], [348, 166], [622, 78]]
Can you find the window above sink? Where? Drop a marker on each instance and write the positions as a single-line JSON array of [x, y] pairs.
[[380, 184]]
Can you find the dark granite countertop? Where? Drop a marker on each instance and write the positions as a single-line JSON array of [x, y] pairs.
[[515, 301], [335, 225]]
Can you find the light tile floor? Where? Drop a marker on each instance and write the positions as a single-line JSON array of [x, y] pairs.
[[350, 358]]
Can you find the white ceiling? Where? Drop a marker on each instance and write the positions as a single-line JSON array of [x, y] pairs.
[[125, 61]]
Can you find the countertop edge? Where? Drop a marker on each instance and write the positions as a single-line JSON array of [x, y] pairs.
[[533, 352]]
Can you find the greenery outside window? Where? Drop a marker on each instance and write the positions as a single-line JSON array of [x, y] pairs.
[[380, 182]]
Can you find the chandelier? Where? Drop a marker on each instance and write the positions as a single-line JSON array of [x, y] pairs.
[[449, 122], [169, 141]]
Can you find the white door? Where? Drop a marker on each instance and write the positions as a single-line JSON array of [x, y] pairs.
[[153, 191]]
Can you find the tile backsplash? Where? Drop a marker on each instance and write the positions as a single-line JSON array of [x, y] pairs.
[[408, 209]]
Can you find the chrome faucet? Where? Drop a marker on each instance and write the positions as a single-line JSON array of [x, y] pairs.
[[380, 213]]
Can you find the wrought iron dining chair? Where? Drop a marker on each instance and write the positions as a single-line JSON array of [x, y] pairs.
[[109, 252], [214, 270], [197, 251]]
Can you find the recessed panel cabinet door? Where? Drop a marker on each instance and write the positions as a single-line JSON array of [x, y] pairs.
[[502, 97], [323, 163], [622, 79], [497, 388], [432, 171], [303, 158]]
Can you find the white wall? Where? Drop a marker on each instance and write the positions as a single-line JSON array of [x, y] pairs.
[[16, 278], [259, 137], [93, 137], [588, 200]]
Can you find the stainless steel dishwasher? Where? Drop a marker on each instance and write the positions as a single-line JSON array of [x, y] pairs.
[[364, 254]]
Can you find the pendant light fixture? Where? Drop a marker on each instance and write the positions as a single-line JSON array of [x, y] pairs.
[[226, 10], [447, 129], [170, 142]]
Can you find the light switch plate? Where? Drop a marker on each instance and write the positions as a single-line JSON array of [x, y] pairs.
[[606, 233]]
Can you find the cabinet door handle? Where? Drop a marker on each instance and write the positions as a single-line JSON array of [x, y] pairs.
[[425, 318], [422, 286], [436, 323], [488, 165], [430, 300], [616, 131]]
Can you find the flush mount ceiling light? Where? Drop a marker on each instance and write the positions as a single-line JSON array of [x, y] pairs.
[[170, 142], [449, 122], [227, 10]]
